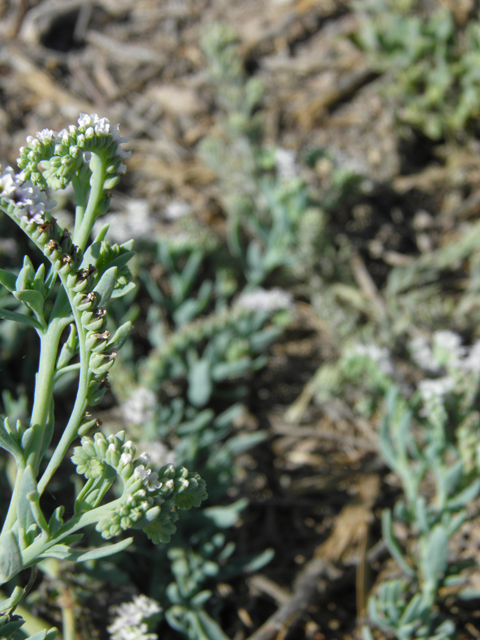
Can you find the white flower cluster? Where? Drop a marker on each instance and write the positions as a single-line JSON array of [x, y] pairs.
[[149, 477], [286, 163], [92, 124], [31, 203], [60, 154], [176, 209], [422, 354], [433, 391], [140, 406], [447, 351], [379, 355], [472, 360], [266, 300], [129, 622]]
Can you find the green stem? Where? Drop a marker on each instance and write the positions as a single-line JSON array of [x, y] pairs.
[[82, 234], [41, 407], [11, 516], [80, 203], [41, 545], [71, 430], [44, 383]]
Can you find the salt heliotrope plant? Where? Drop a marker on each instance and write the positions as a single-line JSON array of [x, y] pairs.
[[431, 63], [428, 438], [65, 300]]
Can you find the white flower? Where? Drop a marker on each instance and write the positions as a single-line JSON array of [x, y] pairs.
[[129, 621], [422, 354], [262, 300], [144, 457], [152, 482], [63, 136], [92, 125], [141, 472], [9, 182], [85, 120], [472, 361], [176, 209], [125, 458], [140, 406], [45, 135], [102, 126], [148, 477], [286, 163], [30, 201], [447, 347], [435, 390], [379, 355]]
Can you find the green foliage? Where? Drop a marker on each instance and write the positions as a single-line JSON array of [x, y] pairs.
[[432, 62], [438, 474]]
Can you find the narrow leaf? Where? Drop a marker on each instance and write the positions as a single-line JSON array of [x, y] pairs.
[[33, 299], [10, 557], [13, 600], [393, 545], [121, 335], [200, 385], [122, 291], [121, 260], [105, 286], [452, 478], [8, 443], [56, 520], [210, 627], [102, 234], [25, 275], [107, 550], [91, 255], [19, 317], [28, 484], [45, 634], [435, 557], [465, 496], [8, 279], [63, 552]]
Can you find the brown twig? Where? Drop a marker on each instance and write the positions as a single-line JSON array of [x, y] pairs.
[[318, 580]]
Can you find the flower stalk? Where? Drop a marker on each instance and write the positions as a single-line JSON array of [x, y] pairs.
[[83, 276]]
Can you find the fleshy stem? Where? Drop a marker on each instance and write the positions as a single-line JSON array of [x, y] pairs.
[[49, 345], [80, 203], [42, 544], [97, 166], [97, 179]]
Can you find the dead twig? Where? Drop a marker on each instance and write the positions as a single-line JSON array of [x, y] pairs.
[[321, 578]]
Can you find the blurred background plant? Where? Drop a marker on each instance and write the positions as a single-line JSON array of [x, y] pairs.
[[431, 63]]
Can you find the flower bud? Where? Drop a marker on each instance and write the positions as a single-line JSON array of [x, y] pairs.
[[88, 423], [100, 444]]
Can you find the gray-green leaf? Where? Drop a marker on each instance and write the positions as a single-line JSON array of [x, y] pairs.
[[10, 557], [19, 317], [33, 299], [105, 286]]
